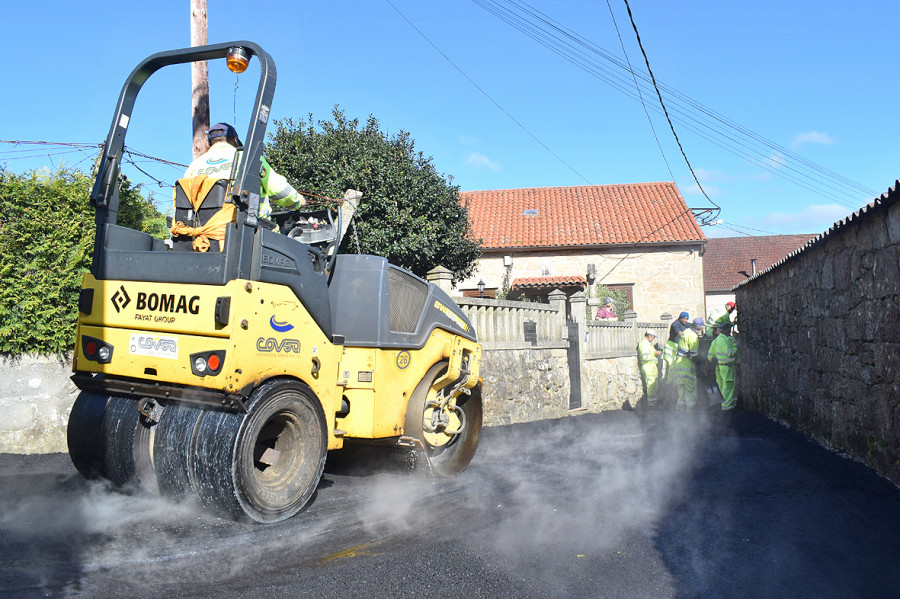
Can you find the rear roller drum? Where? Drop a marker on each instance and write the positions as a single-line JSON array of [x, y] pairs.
[[173, 449], [449, 433], [264, 465], [127, 445]]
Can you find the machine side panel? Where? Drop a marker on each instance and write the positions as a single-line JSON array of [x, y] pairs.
[[285, 261], [359, 302], [376, 304]]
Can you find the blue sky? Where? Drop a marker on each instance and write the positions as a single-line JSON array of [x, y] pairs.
[[807, 90]]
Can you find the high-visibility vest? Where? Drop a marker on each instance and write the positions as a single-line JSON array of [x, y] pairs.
[[646, 352], [670, 351], [218, 162], [723, 349], [688, 344]]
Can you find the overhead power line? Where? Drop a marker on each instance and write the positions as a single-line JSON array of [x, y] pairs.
[[486, 95], [710, 216], [684, 111]]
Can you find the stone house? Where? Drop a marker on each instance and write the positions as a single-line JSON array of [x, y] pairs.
[[640, 238], [728, 261]]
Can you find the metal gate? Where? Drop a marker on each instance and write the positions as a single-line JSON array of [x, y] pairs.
[[573, 333]]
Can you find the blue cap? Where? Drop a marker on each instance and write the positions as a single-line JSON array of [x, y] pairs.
[[698, 322], [684, 315], [221, 130]]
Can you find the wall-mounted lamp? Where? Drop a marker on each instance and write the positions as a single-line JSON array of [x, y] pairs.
[[591, 274], [480, 288]]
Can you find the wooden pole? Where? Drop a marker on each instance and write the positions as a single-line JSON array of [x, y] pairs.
[[199, 80]]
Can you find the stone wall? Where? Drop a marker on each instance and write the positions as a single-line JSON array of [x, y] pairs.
[[36, 396], [610, 384], [820, 338], [522, 385]]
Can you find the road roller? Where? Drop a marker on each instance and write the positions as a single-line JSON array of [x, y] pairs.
[[228, 375]]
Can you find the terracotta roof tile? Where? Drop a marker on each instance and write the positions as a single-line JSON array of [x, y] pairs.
[[726, 260], [584, 215], [549, 282]]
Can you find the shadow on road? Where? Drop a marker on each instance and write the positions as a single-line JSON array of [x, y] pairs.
[[766, 513]]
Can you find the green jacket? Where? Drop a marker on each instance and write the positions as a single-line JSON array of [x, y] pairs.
[[723, 350]]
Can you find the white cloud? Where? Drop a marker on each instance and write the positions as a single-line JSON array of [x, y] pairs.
[[812, 137], [477, 160]]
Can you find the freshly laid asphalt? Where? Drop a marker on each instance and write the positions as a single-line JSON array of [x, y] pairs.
[[618, 504]]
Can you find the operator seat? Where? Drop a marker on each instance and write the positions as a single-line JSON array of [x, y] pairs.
[[201, 214]]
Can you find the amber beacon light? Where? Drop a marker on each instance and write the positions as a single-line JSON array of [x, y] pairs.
[[238, 59]]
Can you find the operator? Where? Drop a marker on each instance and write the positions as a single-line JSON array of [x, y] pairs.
[[724, 353], [218, 161], [684, 371], [648, 357]]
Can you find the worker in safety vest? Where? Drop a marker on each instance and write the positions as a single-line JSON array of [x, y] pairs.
[[684, 371], [712, 319], [724, 353], [218, 162], [670, 350], [648, 358]]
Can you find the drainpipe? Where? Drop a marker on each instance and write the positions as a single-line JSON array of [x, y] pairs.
[[752, 267]]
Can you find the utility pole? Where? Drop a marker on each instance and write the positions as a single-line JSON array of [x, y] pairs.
[[199, 80]]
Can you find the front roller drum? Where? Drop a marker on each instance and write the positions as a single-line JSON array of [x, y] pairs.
[[266, 464], [449, 431]]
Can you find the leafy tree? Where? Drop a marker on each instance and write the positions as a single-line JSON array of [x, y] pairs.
[[409, 213], [46, 243]]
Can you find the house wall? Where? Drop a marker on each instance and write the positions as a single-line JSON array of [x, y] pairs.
[[666, 280]]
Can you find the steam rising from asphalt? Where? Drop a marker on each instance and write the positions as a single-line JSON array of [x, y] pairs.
[[578, 485], [601, 484]]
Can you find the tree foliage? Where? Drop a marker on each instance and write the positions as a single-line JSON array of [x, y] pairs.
[[409, 213], [46, 243]]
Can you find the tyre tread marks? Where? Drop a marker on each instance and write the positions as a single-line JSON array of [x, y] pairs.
[[119, 434]]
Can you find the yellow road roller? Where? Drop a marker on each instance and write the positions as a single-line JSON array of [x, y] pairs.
[[228, 374]]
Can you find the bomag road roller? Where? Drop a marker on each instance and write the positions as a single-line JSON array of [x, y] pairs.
[[228, 374]]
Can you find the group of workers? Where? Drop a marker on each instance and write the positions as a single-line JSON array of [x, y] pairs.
[[680, 357]]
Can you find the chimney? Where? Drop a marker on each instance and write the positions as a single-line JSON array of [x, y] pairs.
[[752, 267]]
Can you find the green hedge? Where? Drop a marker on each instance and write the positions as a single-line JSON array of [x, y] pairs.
[[46, 243]]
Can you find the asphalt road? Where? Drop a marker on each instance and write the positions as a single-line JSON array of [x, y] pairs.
[[620, 504]]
